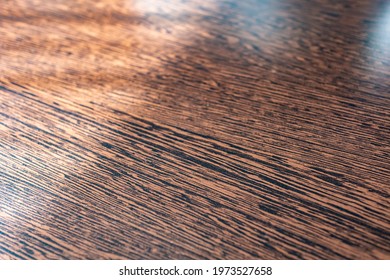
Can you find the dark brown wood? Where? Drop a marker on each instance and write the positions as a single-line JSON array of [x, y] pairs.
[[194, 129]]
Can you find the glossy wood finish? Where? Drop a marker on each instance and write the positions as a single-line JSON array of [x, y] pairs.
[[194, 129]]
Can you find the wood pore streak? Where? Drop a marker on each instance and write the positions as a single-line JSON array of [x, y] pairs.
[[194, 130]]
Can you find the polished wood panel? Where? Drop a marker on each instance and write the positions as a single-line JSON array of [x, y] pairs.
[[194, 129]]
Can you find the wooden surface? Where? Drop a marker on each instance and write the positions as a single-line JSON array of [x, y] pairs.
[[194, 129]]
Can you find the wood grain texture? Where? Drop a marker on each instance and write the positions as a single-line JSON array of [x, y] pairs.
[[194, 129]]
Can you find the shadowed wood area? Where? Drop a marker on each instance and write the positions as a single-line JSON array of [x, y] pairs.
[[194, 129]]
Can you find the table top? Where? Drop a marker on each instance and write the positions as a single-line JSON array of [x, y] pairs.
[[194, 129]]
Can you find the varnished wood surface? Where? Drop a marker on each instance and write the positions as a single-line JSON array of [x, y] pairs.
[[194, 129]]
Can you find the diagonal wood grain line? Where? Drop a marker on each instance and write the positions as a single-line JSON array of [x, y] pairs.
[[194, 129]]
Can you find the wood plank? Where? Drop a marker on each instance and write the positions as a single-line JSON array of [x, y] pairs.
[[194, 129]]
